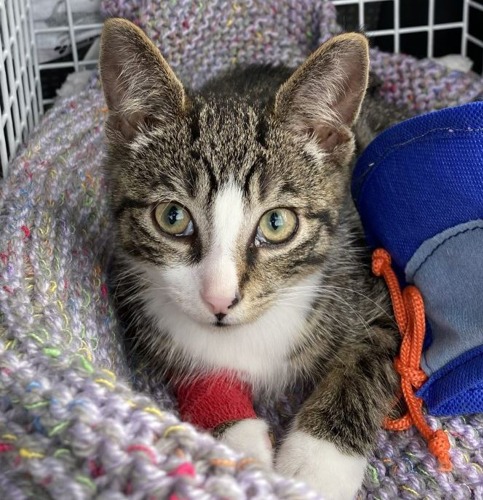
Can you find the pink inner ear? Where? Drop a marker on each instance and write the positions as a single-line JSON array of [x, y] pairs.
[[348, 104], [327, 136], [128, 127]]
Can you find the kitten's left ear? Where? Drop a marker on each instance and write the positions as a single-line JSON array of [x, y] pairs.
[[322, 99], [139, 86]]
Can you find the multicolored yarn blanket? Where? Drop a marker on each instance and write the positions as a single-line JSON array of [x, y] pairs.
[[75, 422]]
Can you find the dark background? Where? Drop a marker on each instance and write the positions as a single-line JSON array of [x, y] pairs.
[[380, 16]]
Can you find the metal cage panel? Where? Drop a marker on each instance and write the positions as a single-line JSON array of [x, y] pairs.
[[20, 101]]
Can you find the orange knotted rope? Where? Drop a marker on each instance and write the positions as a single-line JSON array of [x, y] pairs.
[[408, 309]]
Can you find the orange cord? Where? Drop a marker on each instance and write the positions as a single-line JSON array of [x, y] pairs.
[[408, 309]]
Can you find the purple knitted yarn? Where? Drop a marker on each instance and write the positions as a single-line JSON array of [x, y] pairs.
[[423, 85], [201, 38]]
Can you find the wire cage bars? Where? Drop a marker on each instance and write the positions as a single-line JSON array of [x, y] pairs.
[[20, 102]]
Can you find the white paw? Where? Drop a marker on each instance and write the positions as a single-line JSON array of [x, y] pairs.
[[250, 437], [318, 463]]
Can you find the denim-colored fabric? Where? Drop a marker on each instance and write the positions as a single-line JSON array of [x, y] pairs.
[[448, 271]]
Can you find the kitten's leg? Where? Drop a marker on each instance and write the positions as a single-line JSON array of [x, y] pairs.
[[249, 436], [336, 427]]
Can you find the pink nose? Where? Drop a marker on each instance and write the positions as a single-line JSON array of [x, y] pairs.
[[219, 305]]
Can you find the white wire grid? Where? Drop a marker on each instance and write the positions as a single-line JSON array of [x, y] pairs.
[[396, 30], [72, 28], [22, 103]]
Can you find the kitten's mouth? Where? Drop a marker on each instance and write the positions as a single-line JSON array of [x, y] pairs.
[[220, 324]]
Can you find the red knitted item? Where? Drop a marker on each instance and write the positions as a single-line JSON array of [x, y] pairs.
[[212, 400]]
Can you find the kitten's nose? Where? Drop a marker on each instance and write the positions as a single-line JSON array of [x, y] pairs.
[[219, 305]]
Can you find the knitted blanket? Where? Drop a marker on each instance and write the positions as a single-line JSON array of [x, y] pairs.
[[75, 422]]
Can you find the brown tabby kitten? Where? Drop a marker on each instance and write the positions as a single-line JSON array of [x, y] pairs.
[[238, 245]]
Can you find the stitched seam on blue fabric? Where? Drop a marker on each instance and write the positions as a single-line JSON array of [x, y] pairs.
[[372, 168], [442, 243]]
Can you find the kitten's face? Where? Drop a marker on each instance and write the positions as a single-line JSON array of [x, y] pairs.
[[255, 214], [224, 206]]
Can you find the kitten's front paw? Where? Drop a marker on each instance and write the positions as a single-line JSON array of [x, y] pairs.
[[250, 437], [333, 474]]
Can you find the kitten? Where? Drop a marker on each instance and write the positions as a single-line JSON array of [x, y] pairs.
[[238, 245]]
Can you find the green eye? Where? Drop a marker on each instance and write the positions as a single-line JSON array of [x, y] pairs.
[[276, 226], [173, 219]]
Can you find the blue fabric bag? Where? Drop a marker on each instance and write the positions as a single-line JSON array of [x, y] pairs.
[[419, 190]]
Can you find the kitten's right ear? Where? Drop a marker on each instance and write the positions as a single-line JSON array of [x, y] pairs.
[[139, 86], [323, 97]]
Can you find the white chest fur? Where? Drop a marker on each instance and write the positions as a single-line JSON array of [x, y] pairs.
[[258, 350]]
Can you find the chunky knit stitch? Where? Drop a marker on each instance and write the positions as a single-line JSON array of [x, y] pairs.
[[72, 426], [199, 39]]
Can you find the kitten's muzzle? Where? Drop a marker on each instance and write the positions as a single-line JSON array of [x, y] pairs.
[[220, 317], [220, 305]]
